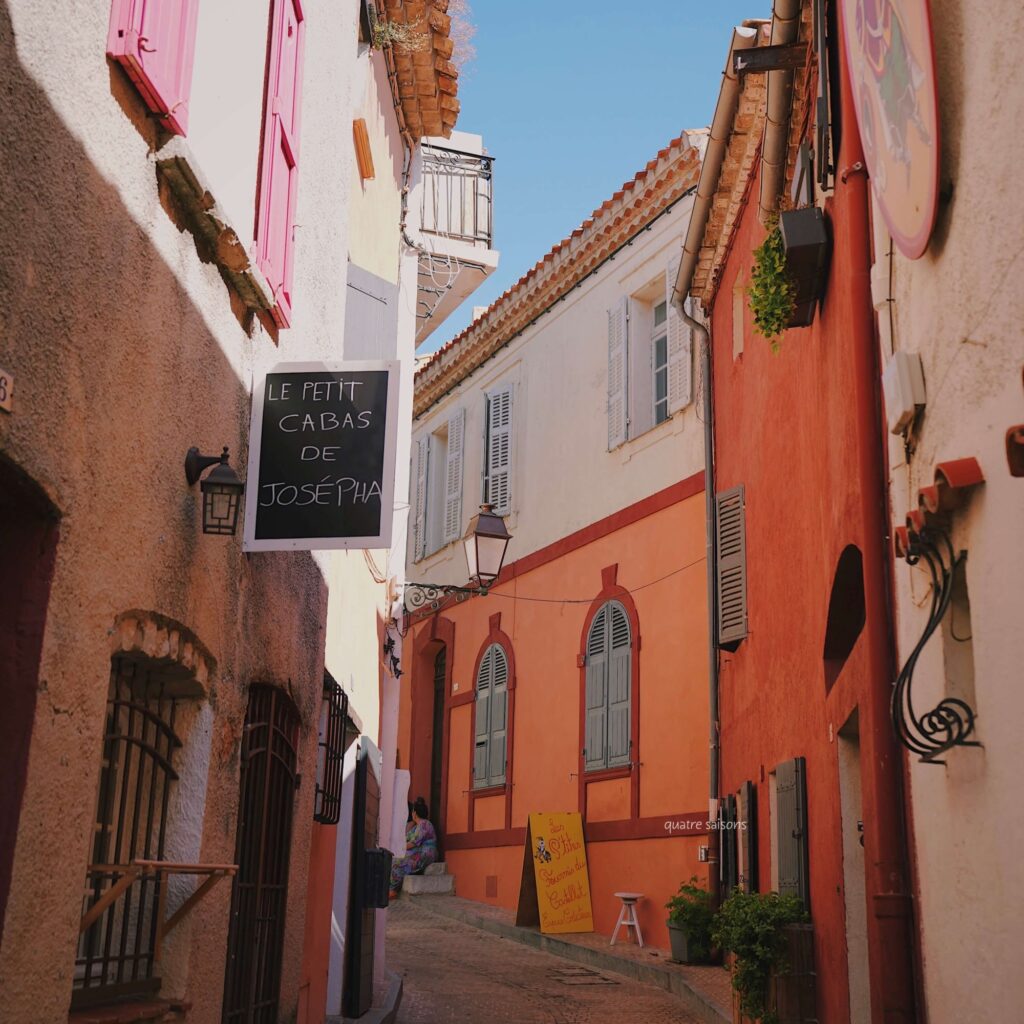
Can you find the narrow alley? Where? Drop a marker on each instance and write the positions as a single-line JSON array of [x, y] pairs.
[[452, 971]]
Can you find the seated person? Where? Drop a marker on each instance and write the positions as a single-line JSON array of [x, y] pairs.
[[420, 847]]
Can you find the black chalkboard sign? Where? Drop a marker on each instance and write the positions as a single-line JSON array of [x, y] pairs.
[[322, 457]]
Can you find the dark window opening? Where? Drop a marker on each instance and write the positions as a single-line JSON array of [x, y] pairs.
[[330, 753], [117, 951], [845, 613]]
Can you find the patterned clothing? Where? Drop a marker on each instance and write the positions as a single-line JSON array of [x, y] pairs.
[[420, 850]]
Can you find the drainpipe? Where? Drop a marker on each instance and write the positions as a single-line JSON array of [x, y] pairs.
[[785, 27], [714, 156]]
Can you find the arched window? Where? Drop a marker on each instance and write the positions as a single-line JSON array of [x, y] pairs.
[[491, 730], [608, 689], [846, 614]]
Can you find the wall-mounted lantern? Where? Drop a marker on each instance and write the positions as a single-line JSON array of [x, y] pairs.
[[486, 541], [222, 491]]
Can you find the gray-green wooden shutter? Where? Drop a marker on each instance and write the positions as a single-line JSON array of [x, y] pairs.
[[482, 729], [748, 836], [731, 549], [453, 477], [498, 456], [497, 753], [679, 345], [595, 747], [419, 521], [619, 665], [371, 316], [791, 828], [618, 373]]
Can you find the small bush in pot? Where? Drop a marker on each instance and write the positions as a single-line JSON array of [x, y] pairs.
[[690, 914], [750, 926]]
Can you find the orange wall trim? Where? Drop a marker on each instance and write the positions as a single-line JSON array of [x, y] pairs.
[[672, 826], [648, 506]]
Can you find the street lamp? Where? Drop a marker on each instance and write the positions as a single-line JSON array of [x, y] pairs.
[[222, 491], [486, 541]]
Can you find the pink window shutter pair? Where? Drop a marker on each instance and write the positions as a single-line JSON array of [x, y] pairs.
[[279, 162], [155, 41]]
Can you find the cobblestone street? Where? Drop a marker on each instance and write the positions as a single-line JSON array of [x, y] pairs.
[[454, 972]]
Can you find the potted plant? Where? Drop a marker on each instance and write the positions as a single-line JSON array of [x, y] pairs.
[[689, 923], [772, 293], [789, 273], [767, 936]]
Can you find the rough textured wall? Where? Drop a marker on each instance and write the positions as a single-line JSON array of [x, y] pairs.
[[961, 307], [127, 348]]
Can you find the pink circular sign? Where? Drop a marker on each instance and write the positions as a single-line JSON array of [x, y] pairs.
[[892, 74]]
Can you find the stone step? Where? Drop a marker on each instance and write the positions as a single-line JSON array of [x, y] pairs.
[[437, 884], [436, 869]]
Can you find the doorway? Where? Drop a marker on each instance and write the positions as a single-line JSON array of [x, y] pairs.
[[252, 981], [848, 744], [437, 747], [28, 546]]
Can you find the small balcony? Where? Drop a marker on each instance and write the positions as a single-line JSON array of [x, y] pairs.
[[456, 223]]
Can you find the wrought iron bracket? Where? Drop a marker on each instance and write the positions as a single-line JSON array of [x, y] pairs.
[[951, 721], [420, 596]]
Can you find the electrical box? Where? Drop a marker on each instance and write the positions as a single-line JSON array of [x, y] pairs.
[[903, 386], [703, 854]]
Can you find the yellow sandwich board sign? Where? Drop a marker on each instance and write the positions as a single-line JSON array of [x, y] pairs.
[[555, 892]]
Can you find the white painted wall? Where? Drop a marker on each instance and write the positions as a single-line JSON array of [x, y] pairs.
[[564, 477], [960, 306]]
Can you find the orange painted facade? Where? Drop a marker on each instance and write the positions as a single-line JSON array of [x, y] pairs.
[[651, 558]]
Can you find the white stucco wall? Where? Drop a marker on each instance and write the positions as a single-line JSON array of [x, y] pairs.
[[960, 306], [564, 477]]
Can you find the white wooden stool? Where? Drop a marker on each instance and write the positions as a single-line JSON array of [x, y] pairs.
[[627, 916]]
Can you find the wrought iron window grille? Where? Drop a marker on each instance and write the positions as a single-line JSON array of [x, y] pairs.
[[330, 754], [951, 722]]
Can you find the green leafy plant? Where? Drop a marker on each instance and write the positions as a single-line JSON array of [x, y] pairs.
[[772, 294], [691, 909], [750, 925]]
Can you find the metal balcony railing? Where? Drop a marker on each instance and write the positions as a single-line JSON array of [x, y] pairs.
[[457, 195]]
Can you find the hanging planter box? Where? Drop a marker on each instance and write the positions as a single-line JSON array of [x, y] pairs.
[[805, 239]]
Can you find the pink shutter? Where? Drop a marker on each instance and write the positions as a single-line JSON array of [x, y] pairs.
[[279, 168], [155, 42]]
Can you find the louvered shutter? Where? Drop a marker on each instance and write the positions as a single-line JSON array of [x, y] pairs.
[[453, 477], [618, 406], [155, 42], [279, 167], [791, 828], [419, 524], [731, 551], [497, 750], [619, 664], [482, 720], [680, 348], [595, 746], [498, 466], [748, 837]]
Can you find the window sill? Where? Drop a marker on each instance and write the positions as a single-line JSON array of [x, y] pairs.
[[177, 166], [488, 791], [602, 774], [131, 1013], [667, 428]]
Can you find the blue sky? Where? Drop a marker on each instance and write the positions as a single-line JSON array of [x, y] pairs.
[[572, 99]]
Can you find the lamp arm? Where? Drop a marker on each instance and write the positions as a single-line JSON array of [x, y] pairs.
[[195, 464]]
